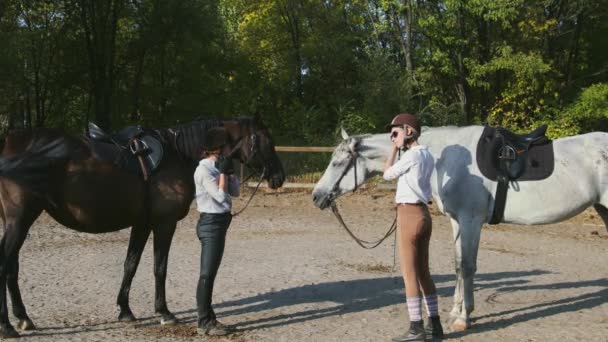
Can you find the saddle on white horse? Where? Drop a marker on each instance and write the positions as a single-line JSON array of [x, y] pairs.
[[504, 156]]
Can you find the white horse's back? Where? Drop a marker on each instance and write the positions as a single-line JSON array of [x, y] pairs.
[[578, 180]]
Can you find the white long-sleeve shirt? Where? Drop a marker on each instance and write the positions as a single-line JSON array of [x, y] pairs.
[[414, 171], [209, 197]]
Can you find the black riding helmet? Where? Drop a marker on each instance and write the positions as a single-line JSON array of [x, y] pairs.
[[215, 139]]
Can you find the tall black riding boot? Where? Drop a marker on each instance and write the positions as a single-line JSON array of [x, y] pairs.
[[414, 334], [433, 327]]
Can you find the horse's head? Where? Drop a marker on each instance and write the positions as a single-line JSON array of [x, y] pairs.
[[254, 147], [353, 162]]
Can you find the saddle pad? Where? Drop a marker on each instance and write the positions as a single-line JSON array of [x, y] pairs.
[[539, 164]]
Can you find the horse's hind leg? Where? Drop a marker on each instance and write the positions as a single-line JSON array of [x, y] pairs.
[[137, 242], [12, 281], [603, 212], [163, 235]]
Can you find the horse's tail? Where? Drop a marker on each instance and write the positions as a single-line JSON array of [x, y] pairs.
[[32, 167]]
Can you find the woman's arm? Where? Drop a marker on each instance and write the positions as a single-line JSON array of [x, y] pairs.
[[215, 188], [402, 166]]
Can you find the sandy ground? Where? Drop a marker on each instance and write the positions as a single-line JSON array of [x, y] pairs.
[[291, 274]]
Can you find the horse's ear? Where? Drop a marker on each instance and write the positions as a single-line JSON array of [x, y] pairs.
[[343, 133], [354, 144]]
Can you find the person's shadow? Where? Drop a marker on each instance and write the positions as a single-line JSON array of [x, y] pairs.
[[360, 295], [462, 191], [350, 296]]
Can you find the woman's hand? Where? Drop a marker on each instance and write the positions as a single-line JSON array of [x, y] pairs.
[[391, 157]]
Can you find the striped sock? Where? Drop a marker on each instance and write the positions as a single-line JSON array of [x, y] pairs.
[[414, 308], [432, 307]]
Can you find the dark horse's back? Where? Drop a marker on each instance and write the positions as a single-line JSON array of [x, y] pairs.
[[53, 171]]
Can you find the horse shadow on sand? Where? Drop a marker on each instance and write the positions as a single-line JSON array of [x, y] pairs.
[[360, 295], [354, 296]]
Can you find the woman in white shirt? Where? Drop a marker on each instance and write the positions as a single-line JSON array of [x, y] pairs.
[[414, 170], [215, 184]]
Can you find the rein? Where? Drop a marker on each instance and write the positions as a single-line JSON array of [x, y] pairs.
[[253, 194], [334, 208], [252, 153], [363, 243]]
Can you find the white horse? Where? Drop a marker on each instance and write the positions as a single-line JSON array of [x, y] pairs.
[[579, 180]]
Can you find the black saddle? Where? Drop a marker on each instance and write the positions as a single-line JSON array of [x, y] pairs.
[[523, 157], [504, 156], [133, 148]]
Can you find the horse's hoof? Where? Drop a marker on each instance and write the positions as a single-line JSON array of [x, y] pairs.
[[8, 332], [459, 324], [126, 317], [168, 320], [26, 324]]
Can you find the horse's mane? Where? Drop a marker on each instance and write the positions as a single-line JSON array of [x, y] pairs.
[[189, 137]]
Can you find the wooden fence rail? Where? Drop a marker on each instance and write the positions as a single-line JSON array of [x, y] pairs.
[[324, 149]]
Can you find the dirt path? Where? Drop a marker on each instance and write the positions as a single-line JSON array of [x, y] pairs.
[[291, 274]]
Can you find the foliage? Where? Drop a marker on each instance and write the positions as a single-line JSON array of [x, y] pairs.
[[308, 67], [589, 112]]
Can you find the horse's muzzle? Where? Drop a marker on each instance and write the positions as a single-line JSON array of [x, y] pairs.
[[275, 181], [321, 200]]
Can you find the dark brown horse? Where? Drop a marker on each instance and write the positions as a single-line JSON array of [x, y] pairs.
[[48, 170]]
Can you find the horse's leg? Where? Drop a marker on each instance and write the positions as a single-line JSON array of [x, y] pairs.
[[467, 231], [458, 289], [137, 242], [17, 225], [12, 281], [603, 212], [163, 235]]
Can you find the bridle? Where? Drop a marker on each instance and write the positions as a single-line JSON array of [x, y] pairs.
[[253, 152], [352, 162], [333, 194]]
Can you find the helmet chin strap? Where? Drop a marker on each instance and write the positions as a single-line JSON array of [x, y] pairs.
[[407, 139]]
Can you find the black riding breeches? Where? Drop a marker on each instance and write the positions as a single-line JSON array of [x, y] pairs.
[[211, 230]]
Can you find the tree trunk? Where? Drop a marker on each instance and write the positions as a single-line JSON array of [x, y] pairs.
[[409, 43], [99, 20], [483, 35], [136, 113], [462, 87], [292, 21], [573, 53]]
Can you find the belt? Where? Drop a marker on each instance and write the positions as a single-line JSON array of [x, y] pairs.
[[418, 204], [216, 214]]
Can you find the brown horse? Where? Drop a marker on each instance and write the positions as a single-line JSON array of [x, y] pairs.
[[48, 170]]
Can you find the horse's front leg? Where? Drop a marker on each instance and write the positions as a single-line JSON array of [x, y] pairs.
[[163, 235], [466, 232], [137, 242], [17, 223]]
